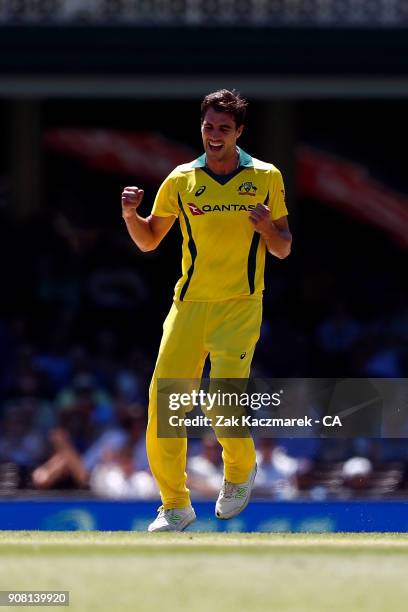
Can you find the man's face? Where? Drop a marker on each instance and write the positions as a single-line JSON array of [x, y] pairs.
[[220, 134]]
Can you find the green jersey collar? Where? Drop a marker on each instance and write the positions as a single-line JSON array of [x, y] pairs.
[[245, 160]]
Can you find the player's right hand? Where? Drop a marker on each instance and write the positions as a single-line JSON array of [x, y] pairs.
[[131, 200]]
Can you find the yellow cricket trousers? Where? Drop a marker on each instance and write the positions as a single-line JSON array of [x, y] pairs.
[[227, 331]]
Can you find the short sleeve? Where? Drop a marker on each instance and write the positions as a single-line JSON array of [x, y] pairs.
[[165, 203], [277, 202]]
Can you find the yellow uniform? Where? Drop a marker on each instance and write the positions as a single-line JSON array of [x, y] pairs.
[[217, 307], [223, 257]]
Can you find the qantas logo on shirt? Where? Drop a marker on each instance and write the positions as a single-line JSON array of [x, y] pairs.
[[195, 210]]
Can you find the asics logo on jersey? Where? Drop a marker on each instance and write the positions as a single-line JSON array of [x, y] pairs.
[[194, 209], [200, 190], [247, 188]]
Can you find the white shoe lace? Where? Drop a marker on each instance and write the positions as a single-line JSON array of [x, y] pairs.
[[172, 511], [228, 489]]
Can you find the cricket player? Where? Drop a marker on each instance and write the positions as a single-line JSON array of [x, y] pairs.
[[231, 210]]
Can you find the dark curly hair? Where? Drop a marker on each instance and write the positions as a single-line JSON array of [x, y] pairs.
[[225, 101]]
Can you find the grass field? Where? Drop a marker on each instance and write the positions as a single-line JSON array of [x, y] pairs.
[[205, 572]]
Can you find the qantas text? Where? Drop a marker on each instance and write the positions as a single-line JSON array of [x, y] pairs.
[[223, 207]]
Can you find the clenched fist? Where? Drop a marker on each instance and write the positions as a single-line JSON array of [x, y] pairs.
[[131, 200], [260, 218]]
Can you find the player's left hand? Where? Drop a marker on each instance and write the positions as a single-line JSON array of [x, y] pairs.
[[260, 218]]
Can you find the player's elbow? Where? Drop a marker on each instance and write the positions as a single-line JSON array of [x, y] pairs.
[[153, 239], [285, 252], [147, 247], [284, 249]]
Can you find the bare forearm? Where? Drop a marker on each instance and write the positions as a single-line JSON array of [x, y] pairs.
[[140, 231], [276, 234], [278, 242]]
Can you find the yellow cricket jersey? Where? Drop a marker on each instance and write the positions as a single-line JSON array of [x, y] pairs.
[[222, 256]]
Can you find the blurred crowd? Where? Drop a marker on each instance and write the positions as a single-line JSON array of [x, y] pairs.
[[77, 422], [231, 12]]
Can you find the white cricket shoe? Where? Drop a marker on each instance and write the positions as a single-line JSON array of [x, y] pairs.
[[175, 519], [233, 498]]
